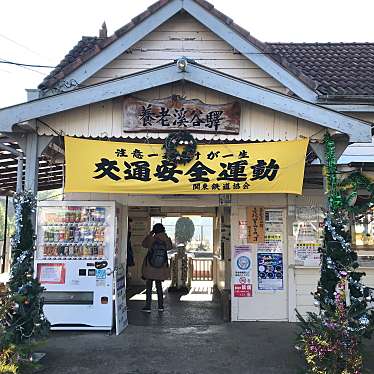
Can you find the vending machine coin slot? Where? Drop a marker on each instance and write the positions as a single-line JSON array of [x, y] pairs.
[[101, 264]]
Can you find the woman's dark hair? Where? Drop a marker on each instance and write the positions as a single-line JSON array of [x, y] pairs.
[[158, 228]]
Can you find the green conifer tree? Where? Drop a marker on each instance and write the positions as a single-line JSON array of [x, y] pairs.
[[21, 310], [331, 341]]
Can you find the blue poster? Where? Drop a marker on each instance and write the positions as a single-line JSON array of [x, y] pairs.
[[270, 271]]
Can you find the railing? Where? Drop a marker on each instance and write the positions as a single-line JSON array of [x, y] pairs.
[[202, 269]]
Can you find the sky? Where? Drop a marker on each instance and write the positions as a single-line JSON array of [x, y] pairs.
[[41, 32]]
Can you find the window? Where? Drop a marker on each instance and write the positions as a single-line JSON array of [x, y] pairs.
[[202, 239], [363, 237], [308, 235]]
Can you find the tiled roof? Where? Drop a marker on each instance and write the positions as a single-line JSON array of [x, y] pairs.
[[329, 68], [338, 68], [81, 53], [87, 46]]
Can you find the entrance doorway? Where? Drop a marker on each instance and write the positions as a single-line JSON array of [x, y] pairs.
[[190, 296]]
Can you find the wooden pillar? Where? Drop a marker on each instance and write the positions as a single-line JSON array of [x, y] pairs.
[[32, 162], [33, 146], [290, 240], [19, 174]]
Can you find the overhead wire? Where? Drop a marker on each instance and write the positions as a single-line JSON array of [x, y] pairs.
[[21, 45], [24, 66]]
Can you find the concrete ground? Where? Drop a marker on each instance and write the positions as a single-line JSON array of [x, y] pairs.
[[188, 338]]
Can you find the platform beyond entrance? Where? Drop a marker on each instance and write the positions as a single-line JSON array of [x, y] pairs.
[[197, 308]]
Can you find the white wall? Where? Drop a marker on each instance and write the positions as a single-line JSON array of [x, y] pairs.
[[181, 36]]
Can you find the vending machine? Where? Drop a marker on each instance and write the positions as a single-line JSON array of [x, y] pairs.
[[77, 243]]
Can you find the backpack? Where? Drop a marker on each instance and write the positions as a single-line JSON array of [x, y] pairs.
[[157, 255]]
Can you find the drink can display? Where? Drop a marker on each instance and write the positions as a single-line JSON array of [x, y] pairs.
[[77, 214], [71, 233], [75, 250], [77, 234], [72, 214], [46, 235], [61, 234], [98, 234], [95, 250], [100, 250], [86, 251], [56, 235], [84, 215]]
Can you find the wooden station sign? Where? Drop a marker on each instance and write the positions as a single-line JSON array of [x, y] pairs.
[[176, 113], [256, 229]]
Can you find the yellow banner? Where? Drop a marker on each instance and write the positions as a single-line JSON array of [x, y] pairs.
[[118, 167]]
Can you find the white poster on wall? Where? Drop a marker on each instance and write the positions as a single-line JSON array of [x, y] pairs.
[[120, 301], [273, 232], [243, 270], [308, 234]]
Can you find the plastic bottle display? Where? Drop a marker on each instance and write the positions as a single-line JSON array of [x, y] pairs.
[[73, 232]]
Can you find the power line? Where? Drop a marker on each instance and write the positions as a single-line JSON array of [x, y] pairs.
[[25, 65], [22, 66], [21, 45]]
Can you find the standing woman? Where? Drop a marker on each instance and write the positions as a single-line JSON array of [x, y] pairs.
[[155, 265]]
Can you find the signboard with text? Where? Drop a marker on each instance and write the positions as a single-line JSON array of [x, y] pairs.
[[177, 113], [256, 229], [120, 301], [121, 167]]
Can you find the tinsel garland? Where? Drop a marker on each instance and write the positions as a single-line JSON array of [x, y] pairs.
[[25, 320], [350, 187], [331, 340], [335, 198]]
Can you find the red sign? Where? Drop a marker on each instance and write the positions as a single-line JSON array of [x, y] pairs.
[[242, 290], [51, 273]]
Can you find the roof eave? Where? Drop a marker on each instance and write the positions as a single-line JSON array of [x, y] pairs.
[[357, 130]]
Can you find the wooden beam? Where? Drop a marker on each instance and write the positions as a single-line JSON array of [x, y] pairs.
[[358, 131], [11, 150], [12, 173], [350, 107], [250, 51], [13, 181], [84, 96]]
